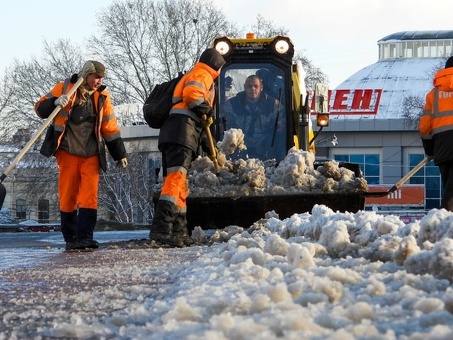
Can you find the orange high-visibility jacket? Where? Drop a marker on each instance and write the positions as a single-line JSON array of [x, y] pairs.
[[106, 124], [436, 122], [195, 88]]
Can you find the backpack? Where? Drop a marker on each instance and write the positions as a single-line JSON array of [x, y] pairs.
[[159, 103]]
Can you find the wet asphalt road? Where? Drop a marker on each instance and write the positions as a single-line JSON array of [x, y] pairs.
[[19, 249]]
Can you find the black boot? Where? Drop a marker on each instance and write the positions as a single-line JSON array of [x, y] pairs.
[[68, 227], [162, 225], [86, 222], [180, 229]]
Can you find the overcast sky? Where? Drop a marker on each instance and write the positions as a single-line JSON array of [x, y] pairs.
[[340, 37]]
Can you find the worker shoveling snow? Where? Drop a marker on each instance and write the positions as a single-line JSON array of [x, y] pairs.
[[248, 177]]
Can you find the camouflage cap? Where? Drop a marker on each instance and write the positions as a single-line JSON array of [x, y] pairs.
[[99, 68]]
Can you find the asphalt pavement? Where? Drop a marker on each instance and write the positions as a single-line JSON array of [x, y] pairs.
[[19, 249]]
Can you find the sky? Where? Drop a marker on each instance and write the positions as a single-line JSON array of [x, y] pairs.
[[340, 37]]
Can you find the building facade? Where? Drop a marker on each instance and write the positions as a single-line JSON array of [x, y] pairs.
[[374, 116]]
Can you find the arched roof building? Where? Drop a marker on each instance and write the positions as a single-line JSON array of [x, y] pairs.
[[367, 115], [406, 65]]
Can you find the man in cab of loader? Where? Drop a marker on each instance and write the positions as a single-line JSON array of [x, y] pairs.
[[257, 114]]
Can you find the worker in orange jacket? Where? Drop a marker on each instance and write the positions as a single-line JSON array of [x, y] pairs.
[[77, 138], [180, 138], [436, 129]]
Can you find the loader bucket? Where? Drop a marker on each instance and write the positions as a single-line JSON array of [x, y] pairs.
[[219, 212]]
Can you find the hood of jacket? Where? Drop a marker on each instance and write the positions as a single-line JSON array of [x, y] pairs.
[[212, 58], [443, 79]]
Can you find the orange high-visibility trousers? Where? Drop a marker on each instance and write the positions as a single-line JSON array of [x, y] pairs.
[[175, 188], [78, 182]]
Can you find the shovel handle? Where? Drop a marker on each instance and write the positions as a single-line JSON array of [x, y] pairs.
[[212, 149], [411, 173], [33, 139]]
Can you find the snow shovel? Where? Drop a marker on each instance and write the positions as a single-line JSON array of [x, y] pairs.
[[212, 149], [400, 182], [31, 141]]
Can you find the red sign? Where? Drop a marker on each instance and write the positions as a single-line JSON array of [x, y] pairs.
[[410, 194], [354, 102]]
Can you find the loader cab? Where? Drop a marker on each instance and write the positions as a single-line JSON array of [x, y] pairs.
[[268, 122]]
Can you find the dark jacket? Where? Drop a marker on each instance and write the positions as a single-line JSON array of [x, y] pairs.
[[255, 118]]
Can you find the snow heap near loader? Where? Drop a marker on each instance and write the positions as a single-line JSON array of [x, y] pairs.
[[253, 177]]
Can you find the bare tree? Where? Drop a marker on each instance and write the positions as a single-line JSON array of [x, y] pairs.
[[314, 74], [411, 110], [264, 28], [25, 82], [144, 42], [141, 42], [127, 193]]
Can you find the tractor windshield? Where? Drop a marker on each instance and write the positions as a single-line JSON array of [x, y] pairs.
[[252, 98]]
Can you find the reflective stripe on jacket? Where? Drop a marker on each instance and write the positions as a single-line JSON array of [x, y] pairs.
[[106, 124], [196, 87], [436, 121], [438, 110]]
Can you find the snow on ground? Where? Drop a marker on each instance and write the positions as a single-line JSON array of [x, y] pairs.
[[317, 275]]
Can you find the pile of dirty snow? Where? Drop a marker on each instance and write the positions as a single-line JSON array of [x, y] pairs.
[[248, 177]]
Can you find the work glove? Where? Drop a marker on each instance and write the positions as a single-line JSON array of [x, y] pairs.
[[206, 123], [122, 163], [62, 101]]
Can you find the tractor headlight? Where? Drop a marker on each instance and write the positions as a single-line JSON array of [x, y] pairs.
[[222, 47], [281, 46]]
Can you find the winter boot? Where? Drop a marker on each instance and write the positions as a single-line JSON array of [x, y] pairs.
[[180, 229], [68, 227], [86, 222], [162, 225]]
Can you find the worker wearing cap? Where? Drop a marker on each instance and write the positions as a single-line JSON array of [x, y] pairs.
[[436, 129], [77, 138]]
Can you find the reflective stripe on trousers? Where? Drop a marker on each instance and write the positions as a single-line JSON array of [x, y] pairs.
[[176, 189]]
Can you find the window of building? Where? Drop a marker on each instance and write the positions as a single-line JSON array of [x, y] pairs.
[[43, 211], [155, 165], [369, 164], [409, 51], [21, 209], [417, 49], [424, 47], [429, 175], [447, 49]]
